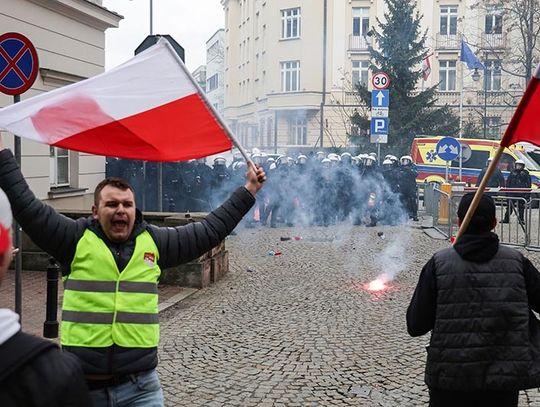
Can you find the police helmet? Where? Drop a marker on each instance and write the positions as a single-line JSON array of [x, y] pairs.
[[301, 159], [220, 161], [369, 161], [256, 158], [282, 160], [325, 162], [519, 164], [405, 160], [238, 165]]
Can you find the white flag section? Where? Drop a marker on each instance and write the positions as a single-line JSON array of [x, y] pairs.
[[148, 108]]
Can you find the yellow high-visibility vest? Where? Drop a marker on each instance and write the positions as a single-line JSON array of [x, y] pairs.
[[103, 306]]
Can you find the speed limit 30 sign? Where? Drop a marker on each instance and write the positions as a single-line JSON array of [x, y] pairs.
[[380, 80]]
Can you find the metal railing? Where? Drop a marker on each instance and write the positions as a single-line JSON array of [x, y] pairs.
[[359, 42], [517, 212]]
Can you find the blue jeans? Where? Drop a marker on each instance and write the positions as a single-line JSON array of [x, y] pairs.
[[143, 390]]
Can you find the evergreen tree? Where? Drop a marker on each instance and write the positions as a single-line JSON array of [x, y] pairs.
[[400, 52]]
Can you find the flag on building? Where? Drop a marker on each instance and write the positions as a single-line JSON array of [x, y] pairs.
[[148, 108], [525, 125], [426, 68], [469, 57]]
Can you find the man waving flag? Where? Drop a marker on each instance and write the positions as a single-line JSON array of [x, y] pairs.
[[148, 108]]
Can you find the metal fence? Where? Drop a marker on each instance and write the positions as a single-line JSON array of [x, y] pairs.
[[518, 214]]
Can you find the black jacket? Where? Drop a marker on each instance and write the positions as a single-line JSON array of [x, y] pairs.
[[477, 298], [58, 235], [35, 373]]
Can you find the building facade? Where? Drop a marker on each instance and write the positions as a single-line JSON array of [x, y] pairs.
[[215, 70], [69, 36], [276, 87]]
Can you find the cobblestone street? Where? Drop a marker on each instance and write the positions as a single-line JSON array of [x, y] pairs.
[[300, 329]]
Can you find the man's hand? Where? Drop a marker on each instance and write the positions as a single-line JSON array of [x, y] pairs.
[[255, 177]]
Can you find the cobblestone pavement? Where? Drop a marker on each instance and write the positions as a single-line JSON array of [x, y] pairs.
[[300, 329]]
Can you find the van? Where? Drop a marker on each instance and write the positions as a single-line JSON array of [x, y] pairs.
[[474, 155]]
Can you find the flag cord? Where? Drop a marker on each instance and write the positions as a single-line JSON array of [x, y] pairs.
[[478, 195], [207, 102]]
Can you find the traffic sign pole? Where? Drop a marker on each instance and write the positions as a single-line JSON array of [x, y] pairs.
[[17, 237], [19, 62]]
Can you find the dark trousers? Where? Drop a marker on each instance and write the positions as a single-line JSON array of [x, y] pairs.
[[445, 398], [512, 208]]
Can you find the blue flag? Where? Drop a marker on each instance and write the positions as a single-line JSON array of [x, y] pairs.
[[469, 58]]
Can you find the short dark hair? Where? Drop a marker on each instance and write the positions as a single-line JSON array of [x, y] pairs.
[[115, 182], [484, 215]]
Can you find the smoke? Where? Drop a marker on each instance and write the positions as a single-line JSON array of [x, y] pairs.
[[394, 258]]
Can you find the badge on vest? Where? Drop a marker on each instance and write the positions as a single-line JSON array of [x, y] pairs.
[[149, 259]]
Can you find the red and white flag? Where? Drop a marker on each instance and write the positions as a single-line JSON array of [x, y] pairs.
[[148, 108], [426, 68], [525, 123]]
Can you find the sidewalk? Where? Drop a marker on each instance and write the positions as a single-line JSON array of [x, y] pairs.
[[34, 293]]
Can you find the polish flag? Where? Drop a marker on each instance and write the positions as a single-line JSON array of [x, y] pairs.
[[525, 123], [149, 108], [426, 68]]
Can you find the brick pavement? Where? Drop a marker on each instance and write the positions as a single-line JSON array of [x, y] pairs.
[[300, 329], [34, 293]]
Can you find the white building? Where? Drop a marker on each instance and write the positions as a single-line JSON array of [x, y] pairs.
[[275, 84], [199, 75], [215, 69], [69, 36]]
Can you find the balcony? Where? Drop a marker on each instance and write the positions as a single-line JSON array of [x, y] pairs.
[[448, 42], [493, 41], [359, 43]]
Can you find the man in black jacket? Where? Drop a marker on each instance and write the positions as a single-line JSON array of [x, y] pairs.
[[476, 297], [33, 371], [111, 262]]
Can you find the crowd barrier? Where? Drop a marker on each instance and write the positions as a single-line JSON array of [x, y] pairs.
[[441, 203]]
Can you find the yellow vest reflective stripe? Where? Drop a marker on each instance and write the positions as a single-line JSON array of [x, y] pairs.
[[102, 306]]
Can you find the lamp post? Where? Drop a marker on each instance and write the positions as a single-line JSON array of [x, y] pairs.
[[151, 17], [476, 78]]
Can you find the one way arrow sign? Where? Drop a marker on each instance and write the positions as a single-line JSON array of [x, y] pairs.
[[380, 98]]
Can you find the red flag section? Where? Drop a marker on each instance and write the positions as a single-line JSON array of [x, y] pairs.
[[525, 124]]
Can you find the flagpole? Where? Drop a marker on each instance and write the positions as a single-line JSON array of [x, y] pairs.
[[478, 195], [208, 104], [461, 124]]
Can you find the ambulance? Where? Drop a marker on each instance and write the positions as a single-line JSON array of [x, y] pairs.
[[474, 155]]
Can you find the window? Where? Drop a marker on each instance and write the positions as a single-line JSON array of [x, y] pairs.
[[269, 132], [212, 83], [290, 76], [494, 23], [298, 131], [59, 167], [447, 76], [360, 71], [476, 160], [493, 75], [448, 22], [360, 21], [290, 23], [493, 127]]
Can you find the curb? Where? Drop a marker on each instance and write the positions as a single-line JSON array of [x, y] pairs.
[[162, 306]]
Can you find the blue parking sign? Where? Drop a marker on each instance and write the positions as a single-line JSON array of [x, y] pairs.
[[379, 125]]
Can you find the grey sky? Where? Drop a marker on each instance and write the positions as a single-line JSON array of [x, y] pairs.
[[190, 22]]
